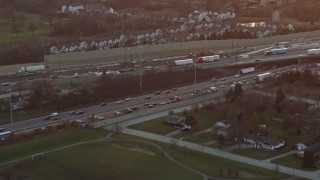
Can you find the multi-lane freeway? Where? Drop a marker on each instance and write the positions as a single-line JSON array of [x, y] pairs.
[[108, 110]]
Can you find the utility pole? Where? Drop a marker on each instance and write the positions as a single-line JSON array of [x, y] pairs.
[[140, 67], [195, 72]]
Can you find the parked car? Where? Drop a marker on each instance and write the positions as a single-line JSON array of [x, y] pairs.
[[128, 99], [167, 91]]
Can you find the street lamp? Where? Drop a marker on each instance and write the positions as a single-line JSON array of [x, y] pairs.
[[140, 67]]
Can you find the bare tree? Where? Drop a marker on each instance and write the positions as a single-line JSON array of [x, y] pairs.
[[117, 128], [32, 27], [16, 28]]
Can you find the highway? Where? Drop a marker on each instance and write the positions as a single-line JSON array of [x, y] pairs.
[[65, 76], [110, 108]]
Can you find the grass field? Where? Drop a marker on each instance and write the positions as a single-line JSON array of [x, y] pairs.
[[201, 138], [42, 26], [214, 165], [127, 160], [294, 162], [41, 144], [104, 161]]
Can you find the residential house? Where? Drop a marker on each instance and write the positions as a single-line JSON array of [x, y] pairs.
[[222, 128], [305, 144], [263, 142]]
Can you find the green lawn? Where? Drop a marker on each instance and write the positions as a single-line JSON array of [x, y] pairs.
[[212, 165], [201, 138], [224, 144], [205, 120], [156, 126], [294, 161], [37, 145], [108, 160], [104, 161]]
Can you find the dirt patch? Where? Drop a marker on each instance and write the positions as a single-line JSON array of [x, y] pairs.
[[136, 147]]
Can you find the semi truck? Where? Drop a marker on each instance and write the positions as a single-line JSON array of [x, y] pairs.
[[208, 59], [247, 70], [262, 77], [276, 51], [183, 62], [313, 52], [32, 68]]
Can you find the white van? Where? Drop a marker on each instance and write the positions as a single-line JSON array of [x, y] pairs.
[[54, 114]]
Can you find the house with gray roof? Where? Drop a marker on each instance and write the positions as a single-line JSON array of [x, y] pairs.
[[263, 142]]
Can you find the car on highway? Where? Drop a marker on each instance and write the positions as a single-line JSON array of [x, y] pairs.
[[128, 99], [148, 97], [157, 92], [103, 104], [55, 118], [47, 118], [117, 113], [163, 103], [135, 108], [79, 112], [120, 101], [151, 105], [167, 91], [72, 112], [223, 79], [173, 89], [54, 114], [99, 117]]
